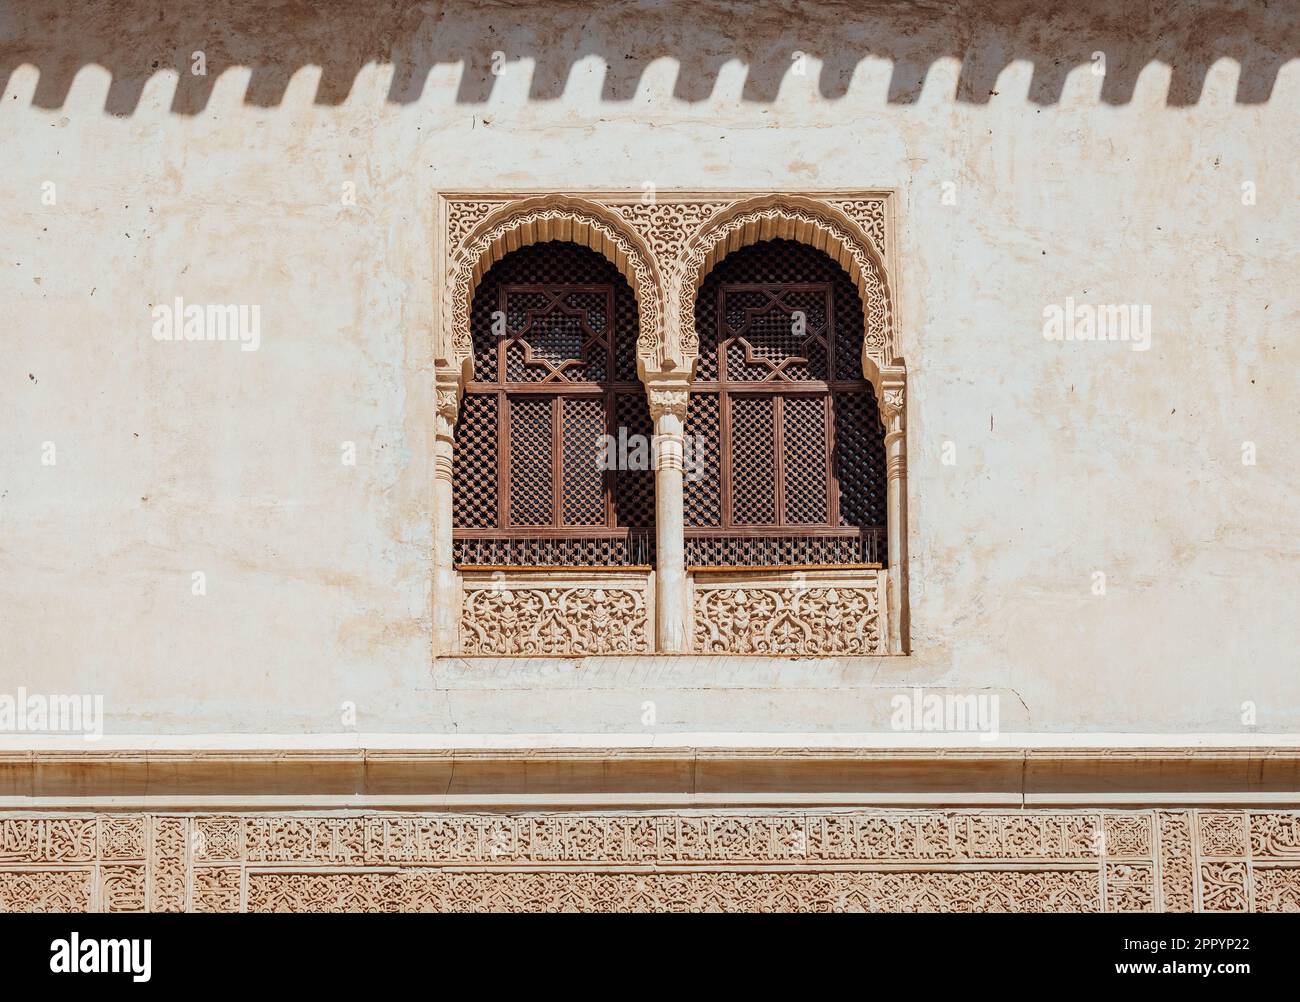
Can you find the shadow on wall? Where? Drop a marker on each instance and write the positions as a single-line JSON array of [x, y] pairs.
[[134, 39]]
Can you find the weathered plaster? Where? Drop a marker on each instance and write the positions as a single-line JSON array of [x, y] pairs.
[[1070, 458]]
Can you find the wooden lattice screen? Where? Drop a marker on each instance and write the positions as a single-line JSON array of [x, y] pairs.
[[794, 464], [555, 328]]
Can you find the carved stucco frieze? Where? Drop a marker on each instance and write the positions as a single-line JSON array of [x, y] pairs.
[[775, 860], [902, 891]]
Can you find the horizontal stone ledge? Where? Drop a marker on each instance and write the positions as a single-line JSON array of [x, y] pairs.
[[501, 776]]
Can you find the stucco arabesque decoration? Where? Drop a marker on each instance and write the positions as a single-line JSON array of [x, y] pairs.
[[665, 247], [1173, 860]]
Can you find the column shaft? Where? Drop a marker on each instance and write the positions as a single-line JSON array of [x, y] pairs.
[[672, 592], [896, 501], [446, 583]]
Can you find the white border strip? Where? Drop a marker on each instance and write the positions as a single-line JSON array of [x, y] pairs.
[[686, 741]]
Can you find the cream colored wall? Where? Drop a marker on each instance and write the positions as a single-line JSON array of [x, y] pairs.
[[1069, 458]]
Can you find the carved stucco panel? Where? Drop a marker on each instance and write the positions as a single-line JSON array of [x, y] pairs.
[[564, 617], [804, 616], [668, 226]]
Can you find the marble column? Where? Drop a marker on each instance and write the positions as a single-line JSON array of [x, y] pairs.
[[446, 582], [893, 412], [672, 594]]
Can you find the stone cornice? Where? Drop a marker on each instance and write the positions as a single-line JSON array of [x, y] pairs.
[[187, 774]]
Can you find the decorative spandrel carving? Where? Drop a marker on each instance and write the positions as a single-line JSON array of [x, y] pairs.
[[803, 219], [668, 225], [462, 216], [554, 218], [869, 213]]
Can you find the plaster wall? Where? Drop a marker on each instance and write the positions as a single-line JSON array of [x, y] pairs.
[[1068, 458]]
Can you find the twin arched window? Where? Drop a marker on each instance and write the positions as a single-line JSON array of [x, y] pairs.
[[785, 456]]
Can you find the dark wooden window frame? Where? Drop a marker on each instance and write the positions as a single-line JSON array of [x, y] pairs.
[[556, 387], [728, 389]]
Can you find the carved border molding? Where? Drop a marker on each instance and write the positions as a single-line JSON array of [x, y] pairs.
[[746, 860]]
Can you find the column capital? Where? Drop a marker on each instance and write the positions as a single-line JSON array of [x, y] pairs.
[[447, 383], [448, 403], [891, 392], [668, 395], [668, 401]]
